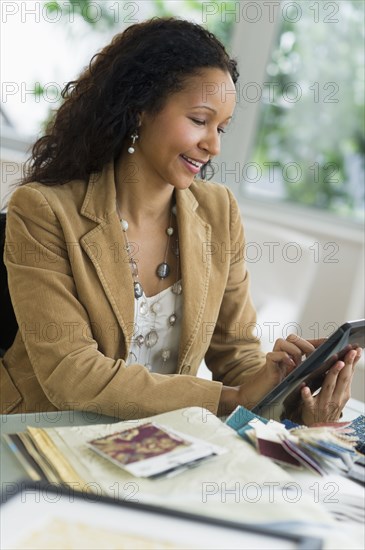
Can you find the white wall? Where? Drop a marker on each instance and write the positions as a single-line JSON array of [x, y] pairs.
[[13, 153], [318, 292]]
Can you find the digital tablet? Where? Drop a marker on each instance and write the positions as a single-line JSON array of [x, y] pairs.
[[285, 398]]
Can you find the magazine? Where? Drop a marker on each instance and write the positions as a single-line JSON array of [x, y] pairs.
[[151, 450], [147, 450]]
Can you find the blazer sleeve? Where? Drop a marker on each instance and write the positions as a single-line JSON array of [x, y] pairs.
[[234, 353], [71, 370]]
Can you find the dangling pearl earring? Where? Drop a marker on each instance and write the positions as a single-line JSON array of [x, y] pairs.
[[134, 137]]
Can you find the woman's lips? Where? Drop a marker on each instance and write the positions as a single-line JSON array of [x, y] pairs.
[[191, 167]]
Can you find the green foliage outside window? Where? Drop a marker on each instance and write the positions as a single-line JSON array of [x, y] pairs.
[[111, 13], [310, 144], [116, 10], [311, 129]]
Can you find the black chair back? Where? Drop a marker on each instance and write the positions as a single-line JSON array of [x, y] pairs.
[[9, 325]]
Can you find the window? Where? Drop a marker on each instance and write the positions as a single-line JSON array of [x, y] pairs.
[[310, 140]]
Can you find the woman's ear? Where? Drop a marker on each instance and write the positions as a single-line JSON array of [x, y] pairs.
[[140, 118]]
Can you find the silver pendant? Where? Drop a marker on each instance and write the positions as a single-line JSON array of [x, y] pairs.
[[124, 225], [165, 354], [151, 339], [177, 288], [172, 319], [163, 270], [156, 308], [176, 249], [138, 290], [140, 340], [134, 268], [143, 308]]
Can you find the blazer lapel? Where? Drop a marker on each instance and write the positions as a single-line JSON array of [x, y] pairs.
[[104, 245], [194, 234], [106, 248]]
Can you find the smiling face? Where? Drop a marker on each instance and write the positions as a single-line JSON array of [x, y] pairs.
[[174, 143]]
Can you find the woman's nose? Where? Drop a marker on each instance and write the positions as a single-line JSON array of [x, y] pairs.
[[211, 143]]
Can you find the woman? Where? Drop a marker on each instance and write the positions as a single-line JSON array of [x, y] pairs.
[[124, 271]]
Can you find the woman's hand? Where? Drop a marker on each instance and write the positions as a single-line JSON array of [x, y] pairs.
[[286, 355], [326, 406], [328, 403]]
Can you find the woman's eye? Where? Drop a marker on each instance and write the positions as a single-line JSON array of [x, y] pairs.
[[202, 123], [197, 121]]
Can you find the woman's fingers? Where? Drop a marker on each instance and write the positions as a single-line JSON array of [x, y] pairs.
[[322, 407], [334, 384], [280, 357], [316, 342], [295, 346], [342, 390], [334, 394], [308, 410], [287, 354], [358, 356], [279, 364], [344, 380], [325, 406]]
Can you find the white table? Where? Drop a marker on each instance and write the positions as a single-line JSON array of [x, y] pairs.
[[298, 502]]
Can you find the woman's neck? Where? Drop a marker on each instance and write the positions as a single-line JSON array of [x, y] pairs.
[[138, 199]]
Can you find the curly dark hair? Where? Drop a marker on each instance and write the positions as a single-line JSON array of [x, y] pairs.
[[136, 72]]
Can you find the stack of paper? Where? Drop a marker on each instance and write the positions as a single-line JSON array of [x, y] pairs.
[[149, 450], [321, 449]]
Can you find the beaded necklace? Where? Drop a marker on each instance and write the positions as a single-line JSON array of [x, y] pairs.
[[144, 307]]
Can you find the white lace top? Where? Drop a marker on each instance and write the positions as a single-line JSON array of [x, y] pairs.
[[152, 318]]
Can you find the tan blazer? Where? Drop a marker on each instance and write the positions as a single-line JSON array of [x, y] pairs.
[[72, 291]]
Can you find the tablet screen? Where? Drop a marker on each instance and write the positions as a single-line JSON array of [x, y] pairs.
[[285, 398]]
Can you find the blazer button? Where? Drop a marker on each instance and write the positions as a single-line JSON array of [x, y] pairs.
[[185, 369]]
